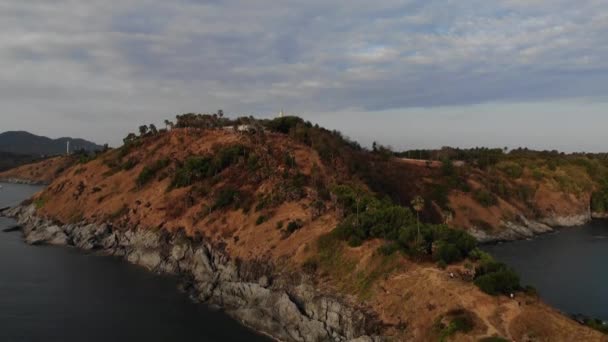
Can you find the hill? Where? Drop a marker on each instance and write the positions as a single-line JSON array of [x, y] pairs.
[[24, 143], [299, 232], [11, 160]]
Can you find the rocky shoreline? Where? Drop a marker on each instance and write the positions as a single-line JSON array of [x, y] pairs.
[[284, 306], [22, 181], [522, 228]]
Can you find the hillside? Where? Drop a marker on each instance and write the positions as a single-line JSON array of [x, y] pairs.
[[41, 172], [297, 206], [11, 160], [24, 143]]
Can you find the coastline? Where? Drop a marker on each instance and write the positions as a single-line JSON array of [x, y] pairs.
[[523, 228], [285, 307], [22, 181]]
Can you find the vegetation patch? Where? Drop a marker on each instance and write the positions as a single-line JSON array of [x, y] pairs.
[[599, 199], [197, 168], [453, 322], [40, 202], [511, 169], [226, 197], [367, 217], [150, 171], [494, 277], [485, 198], [261, 219]]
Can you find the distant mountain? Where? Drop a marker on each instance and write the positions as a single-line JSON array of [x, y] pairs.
[[25, 143]]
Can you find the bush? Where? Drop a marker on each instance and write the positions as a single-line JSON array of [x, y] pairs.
[[504, 281], [261, 219], [388, 248], [511, 169], [149, 172], [355, 241], [485, 198], [293, 226], [460, 321], [494, 277], [448, 253], [129, 164], [599, 201], [537, 174], [225, 198], [193, 169]]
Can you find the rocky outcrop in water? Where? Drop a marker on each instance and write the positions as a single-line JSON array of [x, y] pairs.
[[523, 228], [285, 306], [598, 215]]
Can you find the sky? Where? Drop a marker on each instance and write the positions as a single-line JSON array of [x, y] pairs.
[[407, 73]]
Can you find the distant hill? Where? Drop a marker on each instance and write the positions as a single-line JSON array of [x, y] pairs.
[[25, 143]]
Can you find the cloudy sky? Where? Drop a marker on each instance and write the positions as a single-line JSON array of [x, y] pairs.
[[409, 73]]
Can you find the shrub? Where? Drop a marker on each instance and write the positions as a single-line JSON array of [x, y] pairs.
[[448, 253], [261, 219], [485, 198], [511, 169], [355, 241], [129, 164], [460, 321], [388, 248], [293, 226], [599, 201], [504, 281], [494, 277], [225, 197], [149, 172], [193, 169], [537, 174], [40, 202]]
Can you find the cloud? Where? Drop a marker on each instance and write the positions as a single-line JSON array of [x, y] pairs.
[[132, 60]]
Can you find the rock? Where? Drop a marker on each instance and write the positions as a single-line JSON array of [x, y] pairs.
[[13, 180], [264, 281], [51, 235]]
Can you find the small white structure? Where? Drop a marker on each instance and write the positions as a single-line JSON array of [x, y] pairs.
[[245, 128], [281, 113], [67, 150]]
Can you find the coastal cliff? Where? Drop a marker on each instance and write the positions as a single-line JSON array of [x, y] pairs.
[[284, 306]]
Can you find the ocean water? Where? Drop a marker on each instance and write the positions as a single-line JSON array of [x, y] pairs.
[[62, 294], [567, 267]]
